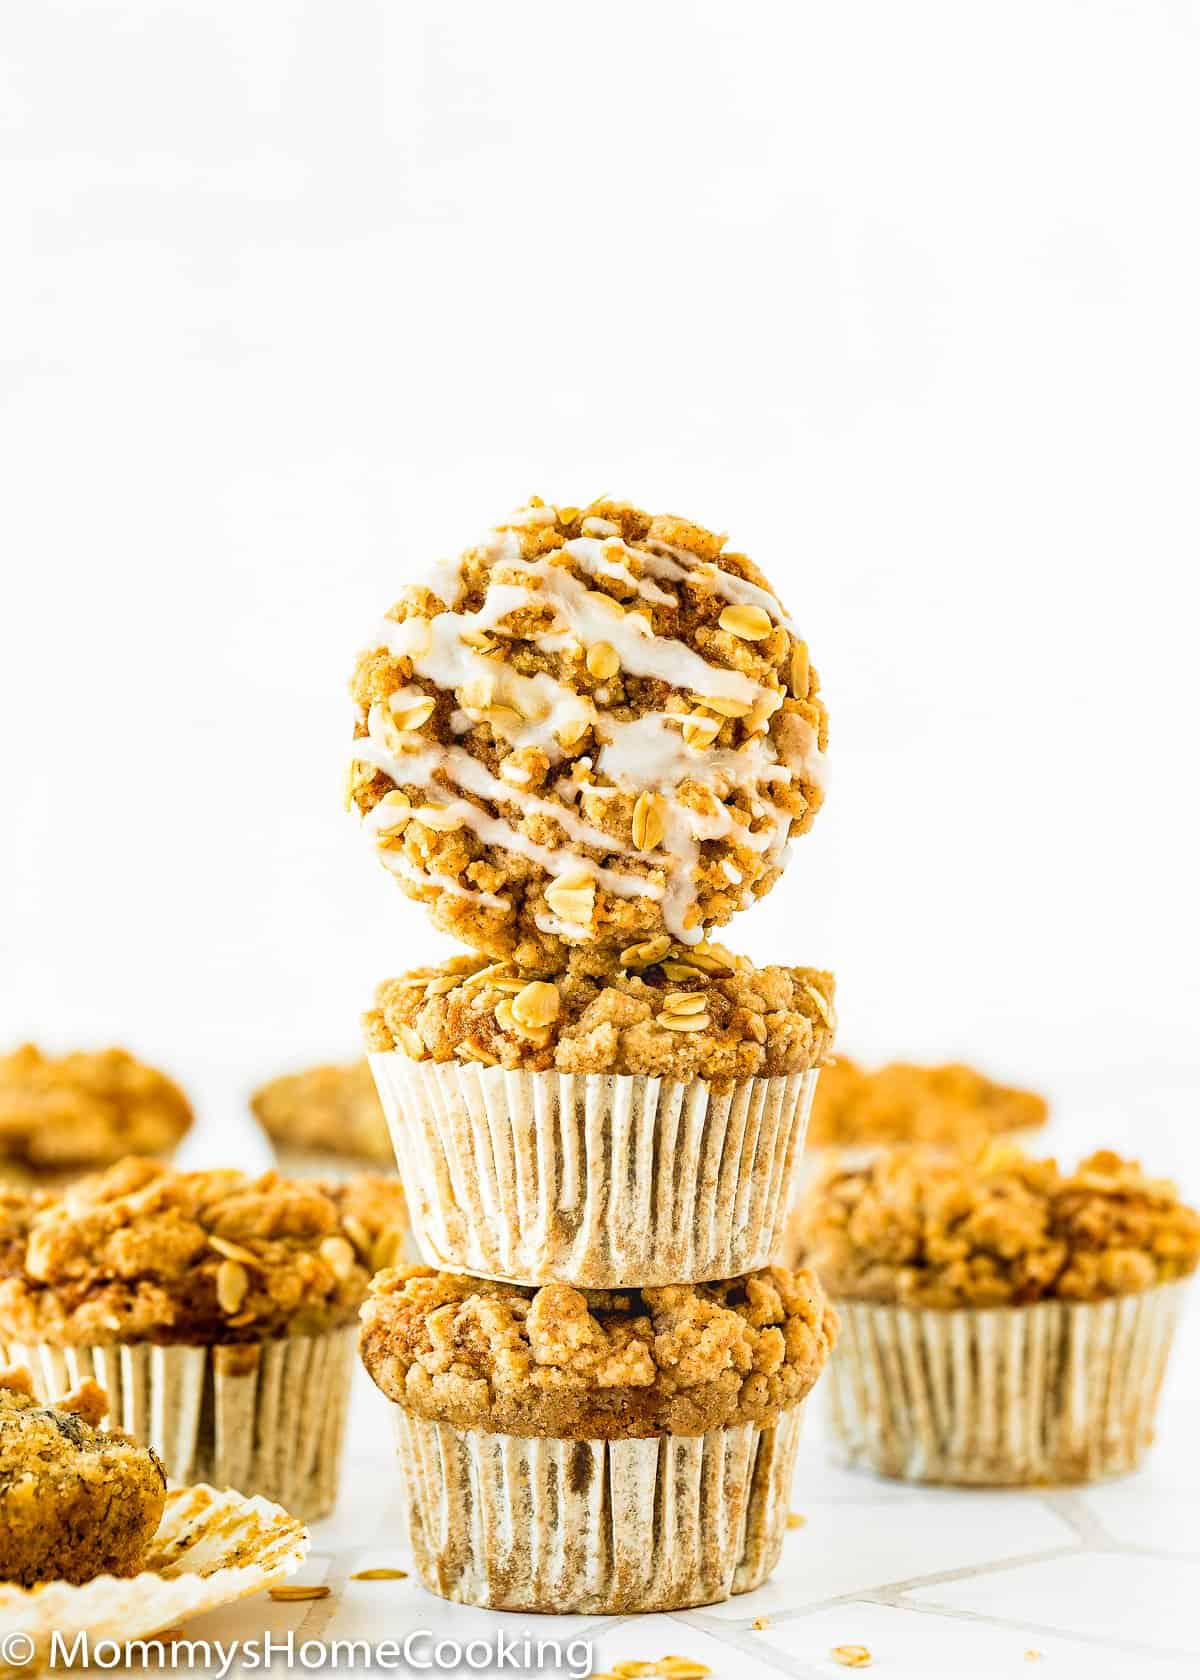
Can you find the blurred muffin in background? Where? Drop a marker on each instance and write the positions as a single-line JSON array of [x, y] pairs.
[[61, 1116], [325, 1121], [906, 1103]]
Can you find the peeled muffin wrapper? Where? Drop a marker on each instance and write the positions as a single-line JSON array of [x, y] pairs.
[[210, 1549]]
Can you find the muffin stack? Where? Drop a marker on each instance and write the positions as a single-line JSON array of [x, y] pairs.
[[580, 746]]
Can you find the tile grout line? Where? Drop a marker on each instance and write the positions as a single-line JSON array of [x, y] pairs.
[[1106, 1642], [744, 1639]]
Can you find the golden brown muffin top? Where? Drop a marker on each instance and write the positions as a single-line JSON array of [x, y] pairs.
[[595, 727], [140, 1253], [86, 1109], [332, 1108], [596, 1364], [904, 1103], [995, 1228], [663, 1011]]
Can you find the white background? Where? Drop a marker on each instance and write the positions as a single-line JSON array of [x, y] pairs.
[[904, 297]]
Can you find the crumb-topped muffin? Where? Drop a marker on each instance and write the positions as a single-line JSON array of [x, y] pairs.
[[75, 1501], [328, 1110], [604, 1452], [659, 1009], [597, 726], [596, 1365], [232, 1301], [996, 1228], [634, 1118], [1004, 1322], [906, 1103], [75, 1113], [143, 1253]]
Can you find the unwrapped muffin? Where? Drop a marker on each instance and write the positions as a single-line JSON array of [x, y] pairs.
[[75, 1501], [596, 727], [635, 1118], [606, 1451], [61, 1116], [1004, 1321], [217, 1309]]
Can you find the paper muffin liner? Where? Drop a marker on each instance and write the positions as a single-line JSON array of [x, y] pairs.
[[596, 1527], [599, 1180], [210, 1549], [1059, 1391], [263, 1417]]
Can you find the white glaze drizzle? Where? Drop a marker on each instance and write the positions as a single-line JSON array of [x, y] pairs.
[[678, 564]]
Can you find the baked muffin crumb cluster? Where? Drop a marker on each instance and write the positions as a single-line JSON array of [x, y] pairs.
[[331, 1108], [596, 727], [906, 1103], [86, 1109], [141, 1253], [659, 1009], [596, 1364], [995, 1229]]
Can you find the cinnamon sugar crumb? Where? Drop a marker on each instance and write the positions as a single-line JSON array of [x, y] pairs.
[[995, 1228], [596, 1364]]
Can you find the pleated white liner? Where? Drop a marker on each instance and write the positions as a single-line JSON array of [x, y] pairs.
[[603, 1181], [596, 1527], [1059, 1391], [265, 1418]]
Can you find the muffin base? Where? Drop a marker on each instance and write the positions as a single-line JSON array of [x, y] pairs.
[[1060, 1391], [265, 1418], [595, 1527], [603, 1181]]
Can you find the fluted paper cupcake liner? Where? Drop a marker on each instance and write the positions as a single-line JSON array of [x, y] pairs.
[[263, 1417], [603, 1181], [597, 1527], [1059, 1391], [210, 1549]]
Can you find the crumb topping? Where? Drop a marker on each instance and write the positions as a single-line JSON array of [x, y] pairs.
[[904, 1103], [141, 1253], [596, 1364], [597, 726], [86, 1109], [667, 1011], [995, 1228], [333, 1108]]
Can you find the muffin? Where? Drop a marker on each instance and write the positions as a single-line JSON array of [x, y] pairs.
[[61, 1116], [75, 1501], [1004, 1322], [603, 1452], [596, 728], [218, 1311], [622, 1122], [952, 1105], [325, 1122]]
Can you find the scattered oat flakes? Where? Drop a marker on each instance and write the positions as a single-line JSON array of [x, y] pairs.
[[760, 1622], [795, 1520], [296, 1595], [851, 1656], [380, 1575]]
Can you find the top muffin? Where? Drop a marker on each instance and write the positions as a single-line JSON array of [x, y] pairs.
[[596, 727], [74, 1113]]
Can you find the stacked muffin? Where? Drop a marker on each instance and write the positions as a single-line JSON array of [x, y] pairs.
[[581, 746]]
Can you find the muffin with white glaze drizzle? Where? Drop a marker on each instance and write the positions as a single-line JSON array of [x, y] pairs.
[[633, 1119], [596, 728]]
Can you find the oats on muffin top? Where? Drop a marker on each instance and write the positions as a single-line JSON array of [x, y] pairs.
[[596, 1364], [995, 1228], [662, 1010], [75, 1501], [330, 1108], [141, 1253], [596, 727], [85, 1110], [904, 1103]]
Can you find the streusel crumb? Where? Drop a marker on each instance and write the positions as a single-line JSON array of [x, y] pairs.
[[669, 1012], [75, 1501], [995, 1228], [904, 1103], [330, 1108], [596, 1364], [141, 1253], [596, 727], [85, 1110]]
